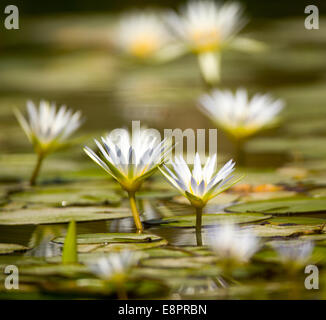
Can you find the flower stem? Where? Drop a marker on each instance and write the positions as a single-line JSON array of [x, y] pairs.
[[135, 212], [199, 212], [210, 68], [37, 168], [239, 152]]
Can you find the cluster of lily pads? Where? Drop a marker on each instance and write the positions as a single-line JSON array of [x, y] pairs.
[[203, 28]]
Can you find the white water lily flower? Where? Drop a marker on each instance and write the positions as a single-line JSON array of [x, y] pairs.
[[46, 127], [295, 252], [206, 28], [238, 115], [117, 264], [142, 34], [232, 244], [129, 159], [206, 25], [203, 183]]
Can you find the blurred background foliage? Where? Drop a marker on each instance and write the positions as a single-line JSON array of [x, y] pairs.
[[257, 8]]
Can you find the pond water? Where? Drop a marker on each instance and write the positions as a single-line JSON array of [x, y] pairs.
[[63, 65]]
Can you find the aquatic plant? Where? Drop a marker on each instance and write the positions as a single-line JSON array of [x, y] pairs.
[[206, 28], [115, 268], [69, 253], [48, 129], [239, 116], [200, 185], [142, 35], [130, 159], [294, 254], [233, 245]]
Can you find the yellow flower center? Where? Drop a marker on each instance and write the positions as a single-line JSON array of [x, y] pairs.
[[242, 132], [144, 47], [205, 40]]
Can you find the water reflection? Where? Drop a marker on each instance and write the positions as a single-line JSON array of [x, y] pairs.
[[182, 236]]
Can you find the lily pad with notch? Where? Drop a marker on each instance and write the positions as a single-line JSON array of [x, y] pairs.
[[109, 242]]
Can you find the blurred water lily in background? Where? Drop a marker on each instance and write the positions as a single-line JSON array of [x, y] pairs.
[[130, 159], [115, 268], [200, 185], [239, 116], [117, 264], [206, 28], [294, 254], [48, 129], [144, 36], [233, 245]]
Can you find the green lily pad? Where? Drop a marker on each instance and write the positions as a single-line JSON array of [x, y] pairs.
[[107, 242], [6, 248], [297, 220], [61, 215], [76, 280], [170, 252], [19, 260], [172, 276], [294, 205], [62, 270], [320, 238], [181, 262], [136, 288], [271, 230], [68, 197], [188, 221]]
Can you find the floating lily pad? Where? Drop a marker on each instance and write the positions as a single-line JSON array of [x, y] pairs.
[[63, 270], [320, 238], [107, 242], [181, 262], [68, 196], [294, 205], [19, 260], [166, 252], [270, 230], [135, 288], [175, 275], [208, 219], [6, 248], [61, 215], [297, 220]]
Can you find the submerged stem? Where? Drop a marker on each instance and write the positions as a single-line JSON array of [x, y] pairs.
[[135, 212], [37, 168], [199, 212]]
